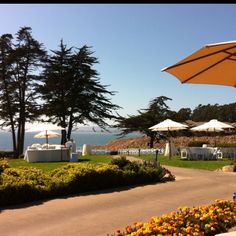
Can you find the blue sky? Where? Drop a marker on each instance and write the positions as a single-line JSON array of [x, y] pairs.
[[133, 42]]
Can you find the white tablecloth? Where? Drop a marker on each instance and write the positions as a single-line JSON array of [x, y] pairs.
[[47, 155]]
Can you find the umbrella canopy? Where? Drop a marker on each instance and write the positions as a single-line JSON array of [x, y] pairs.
[[211, 64], [168, 125], [44, 127], [47, 133], [212, 126], [205, 128]]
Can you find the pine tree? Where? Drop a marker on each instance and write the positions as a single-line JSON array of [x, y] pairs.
[[19, 63], [72, 92]]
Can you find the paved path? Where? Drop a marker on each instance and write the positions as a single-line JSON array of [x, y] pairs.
[[101, 213]]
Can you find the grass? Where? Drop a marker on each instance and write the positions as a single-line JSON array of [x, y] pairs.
[[177, 162], [174, 161], [49, 166]]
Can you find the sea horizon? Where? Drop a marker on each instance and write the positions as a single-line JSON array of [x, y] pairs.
[[91, 137]]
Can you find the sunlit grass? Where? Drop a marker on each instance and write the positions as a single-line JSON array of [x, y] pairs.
[[174, 161], [49, 166], [198, 164]]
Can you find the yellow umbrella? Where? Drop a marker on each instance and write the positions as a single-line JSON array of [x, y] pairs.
[[211, 64]]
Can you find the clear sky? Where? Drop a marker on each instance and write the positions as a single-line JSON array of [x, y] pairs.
[[133, 42]]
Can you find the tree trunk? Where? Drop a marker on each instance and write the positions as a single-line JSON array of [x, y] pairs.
[[6, 88], [63, 137], [63, 132], [152, 138], [70, 126]]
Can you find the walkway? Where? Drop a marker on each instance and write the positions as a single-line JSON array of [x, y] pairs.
[[101, 213]]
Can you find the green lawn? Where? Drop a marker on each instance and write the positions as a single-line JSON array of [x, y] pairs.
[[49, 166], [176, 161]]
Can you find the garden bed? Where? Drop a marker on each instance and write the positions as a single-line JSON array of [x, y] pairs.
[[25, 184]]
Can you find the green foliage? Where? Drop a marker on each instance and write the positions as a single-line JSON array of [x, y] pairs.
[[74, 178], [19, 65], [22, 185], [120, 162], [156, 112], [72, 91], [8, 154], [197, 143], [226, 144], [216, 111], [18, 185], [3, 165]]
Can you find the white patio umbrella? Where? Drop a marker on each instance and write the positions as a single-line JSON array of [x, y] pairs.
[[212, 126], [47, 134], [44, 127], [168, 125]]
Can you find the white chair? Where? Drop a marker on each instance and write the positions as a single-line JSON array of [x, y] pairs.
[[184, 154]]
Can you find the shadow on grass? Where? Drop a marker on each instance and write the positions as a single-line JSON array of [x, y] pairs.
[[83, 160]]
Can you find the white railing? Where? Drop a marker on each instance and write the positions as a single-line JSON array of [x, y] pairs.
[[128, 151], [137, 151], [100, 151]]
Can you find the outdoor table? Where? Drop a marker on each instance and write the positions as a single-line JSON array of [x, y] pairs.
[[47, 155]]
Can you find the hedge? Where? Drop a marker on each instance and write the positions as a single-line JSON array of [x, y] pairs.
[[24, 184]]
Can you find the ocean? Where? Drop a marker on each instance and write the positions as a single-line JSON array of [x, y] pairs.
[[80, 138]]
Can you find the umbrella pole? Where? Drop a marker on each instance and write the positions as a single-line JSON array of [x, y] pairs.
[[215, 137], [169, 144]]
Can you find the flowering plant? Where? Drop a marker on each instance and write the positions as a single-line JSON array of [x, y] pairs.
[[206, 220]]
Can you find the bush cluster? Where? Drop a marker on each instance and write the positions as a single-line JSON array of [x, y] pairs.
[[8, 154], [3, 165], [23, 184], [226, 145], [205, 220], [197, 143]]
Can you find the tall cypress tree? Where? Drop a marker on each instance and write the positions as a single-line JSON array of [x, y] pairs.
[[8, 106], [19, 65], [72, 92]]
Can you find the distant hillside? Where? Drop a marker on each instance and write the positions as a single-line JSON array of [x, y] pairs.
[[179, 142]]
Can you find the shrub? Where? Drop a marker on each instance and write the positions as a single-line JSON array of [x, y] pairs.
[[3, 165], [18, 185], [197, 143], [121, 162], [113, 152], [74, 178], [23, 184], [226, 145], [9, 154]]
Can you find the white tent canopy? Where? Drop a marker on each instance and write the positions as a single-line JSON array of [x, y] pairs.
[[212, 126], [168, 125]]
